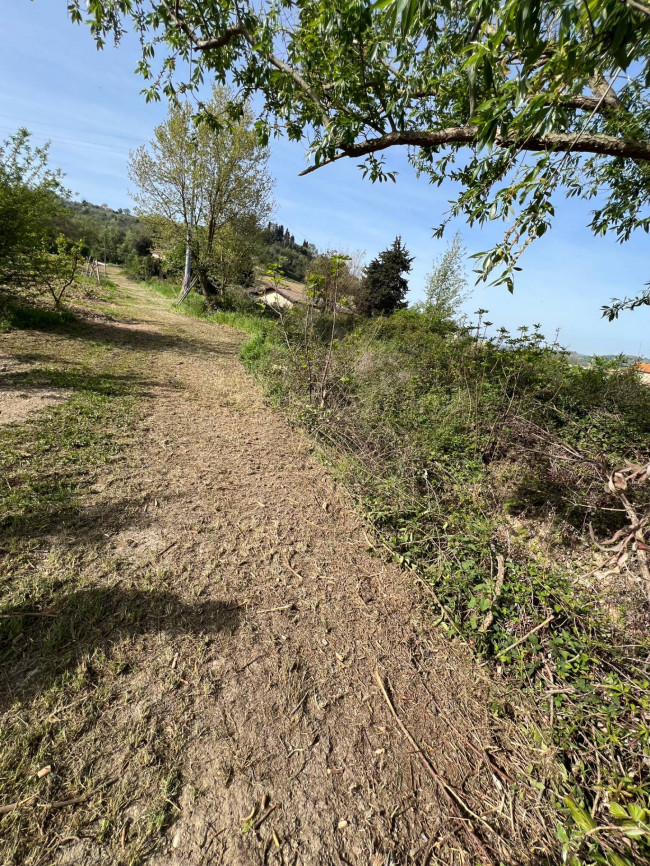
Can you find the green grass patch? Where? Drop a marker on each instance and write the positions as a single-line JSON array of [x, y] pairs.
[[258, 323], [71, 666], [164, 288], [47, 461], [248, 322], [194, 304], [90, 282], [17, 316]]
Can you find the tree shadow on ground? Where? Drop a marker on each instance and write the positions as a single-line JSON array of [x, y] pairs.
[[145, 337], [80, 380], [132, 334], [58, 514], [42, 641], [45, 487]]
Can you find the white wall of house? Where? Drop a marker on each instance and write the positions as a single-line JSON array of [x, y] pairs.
[[274, 299]]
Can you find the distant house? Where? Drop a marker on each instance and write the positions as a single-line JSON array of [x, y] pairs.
[[287, 295], [643, 370], [279, 296]]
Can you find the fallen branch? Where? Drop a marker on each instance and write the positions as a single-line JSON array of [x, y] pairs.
[[27, 613], [275, 609], [618, 482], [293, 570], [75, 801], [57, 804], [13, 807], [446, 790], [248, 664], [164, 551], [264, 816]]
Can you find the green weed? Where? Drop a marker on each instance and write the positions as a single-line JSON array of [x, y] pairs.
[[194, 304], [255, 322]]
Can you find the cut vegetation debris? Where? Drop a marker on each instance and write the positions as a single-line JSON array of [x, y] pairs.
[[517, 488]]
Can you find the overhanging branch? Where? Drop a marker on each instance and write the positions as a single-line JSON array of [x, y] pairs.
[[578, 142], [640, 7], [220, 41], [231, 33]]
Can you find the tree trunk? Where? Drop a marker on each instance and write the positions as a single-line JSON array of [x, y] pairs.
[[209, 291]]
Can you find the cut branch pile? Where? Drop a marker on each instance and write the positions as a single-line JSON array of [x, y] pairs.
[[629, 543]]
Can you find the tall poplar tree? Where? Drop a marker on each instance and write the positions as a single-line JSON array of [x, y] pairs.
[[204, 182]]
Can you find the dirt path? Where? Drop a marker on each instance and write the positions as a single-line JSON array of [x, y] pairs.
[[261, 618]]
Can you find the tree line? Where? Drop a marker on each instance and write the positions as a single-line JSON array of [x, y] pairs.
[[202, 187]]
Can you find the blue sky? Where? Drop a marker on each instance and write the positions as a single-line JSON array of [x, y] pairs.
[[88, 103]]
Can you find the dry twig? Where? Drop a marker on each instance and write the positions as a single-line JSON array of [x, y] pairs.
[[264, 816], [448, 794], [521, 640]]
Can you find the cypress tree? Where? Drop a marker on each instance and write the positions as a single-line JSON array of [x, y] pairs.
[[384, 285]]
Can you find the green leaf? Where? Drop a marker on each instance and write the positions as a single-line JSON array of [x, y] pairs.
[[582, 818]]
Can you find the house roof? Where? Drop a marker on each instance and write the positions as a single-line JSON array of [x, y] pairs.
[[289, 294], [642, 367], [296, 294], [286, 283]]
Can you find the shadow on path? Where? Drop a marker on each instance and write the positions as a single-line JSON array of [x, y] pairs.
[[145, 337], [42, 641]]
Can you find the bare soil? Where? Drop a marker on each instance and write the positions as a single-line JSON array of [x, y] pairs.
[[248, 623], [17, 403]]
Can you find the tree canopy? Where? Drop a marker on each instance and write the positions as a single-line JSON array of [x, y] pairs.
[[513, 100], [29, 205], [209, 178], [384, 286]]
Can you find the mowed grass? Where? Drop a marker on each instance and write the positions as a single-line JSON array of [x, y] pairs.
[[79, 634], [194, 305], [253, 323]]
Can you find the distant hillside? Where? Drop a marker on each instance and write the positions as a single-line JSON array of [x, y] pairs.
[[117, 235], [121, 236], [579, 360], [278, 244]]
